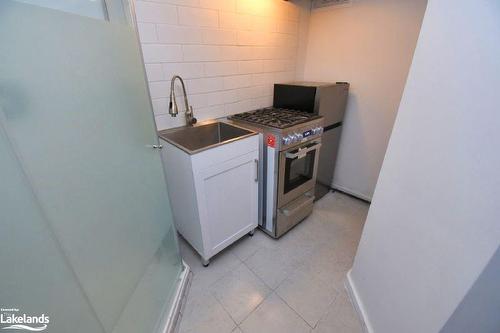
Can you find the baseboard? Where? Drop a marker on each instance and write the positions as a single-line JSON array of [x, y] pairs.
[[358, 305], [170, 325], [351, 192]]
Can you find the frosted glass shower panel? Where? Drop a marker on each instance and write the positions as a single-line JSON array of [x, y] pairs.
[[75, 107]]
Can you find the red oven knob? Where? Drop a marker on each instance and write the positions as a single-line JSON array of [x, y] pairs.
[[271, 141]]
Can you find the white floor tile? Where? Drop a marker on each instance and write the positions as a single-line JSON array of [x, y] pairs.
[[306, 267], [246, 246], [308, 295], [217, 269], [274, 316], [240, 292], [264, 240], [271, 265], [203, 313], [204, 277], [341, 317]]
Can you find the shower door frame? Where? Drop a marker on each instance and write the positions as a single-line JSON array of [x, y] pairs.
[[170, 321]]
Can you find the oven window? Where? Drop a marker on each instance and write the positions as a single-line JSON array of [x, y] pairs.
[[298, 171]]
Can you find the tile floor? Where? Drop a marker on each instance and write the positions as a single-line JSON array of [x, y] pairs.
[[293, 284]]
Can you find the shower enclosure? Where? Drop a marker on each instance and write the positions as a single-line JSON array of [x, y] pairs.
[[87, 242]]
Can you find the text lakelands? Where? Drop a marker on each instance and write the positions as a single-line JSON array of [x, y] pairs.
[[23, 319]]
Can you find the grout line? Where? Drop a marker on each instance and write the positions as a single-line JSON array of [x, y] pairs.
[[291, 308], [298, 314], [227, 272], [224, 308], [211, 293], [257, 275], [258, 306], [329, 305]]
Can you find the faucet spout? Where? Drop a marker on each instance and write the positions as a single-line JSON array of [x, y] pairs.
[[173, 109]]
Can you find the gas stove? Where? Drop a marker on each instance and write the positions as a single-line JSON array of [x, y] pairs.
[[288, 159], [282, 128], [275, 117]]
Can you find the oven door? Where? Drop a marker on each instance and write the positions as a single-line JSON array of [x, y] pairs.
[[297, 171]]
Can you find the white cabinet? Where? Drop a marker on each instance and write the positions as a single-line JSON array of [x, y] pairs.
[[214, 193]]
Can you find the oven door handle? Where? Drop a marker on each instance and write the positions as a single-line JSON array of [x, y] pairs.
[[302, 152]]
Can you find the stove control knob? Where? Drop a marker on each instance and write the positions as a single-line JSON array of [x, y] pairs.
[[293, 138], [317, 130], [299, 136], [286, 140]]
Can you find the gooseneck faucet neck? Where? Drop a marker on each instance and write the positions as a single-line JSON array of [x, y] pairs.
[[173, 109]]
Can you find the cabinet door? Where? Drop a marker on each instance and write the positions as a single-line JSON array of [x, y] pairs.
[[228, 201]]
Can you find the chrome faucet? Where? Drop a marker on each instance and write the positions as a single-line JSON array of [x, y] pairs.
[[173, 110]]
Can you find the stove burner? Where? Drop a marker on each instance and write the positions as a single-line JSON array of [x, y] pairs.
[[274, 117]]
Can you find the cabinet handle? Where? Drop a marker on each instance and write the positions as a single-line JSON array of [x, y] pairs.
[[256, 170]]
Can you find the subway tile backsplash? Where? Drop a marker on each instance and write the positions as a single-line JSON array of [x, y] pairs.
[[230, 52]]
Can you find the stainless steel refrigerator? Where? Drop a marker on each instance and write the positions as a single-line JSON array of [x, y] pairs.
[[328, 100]]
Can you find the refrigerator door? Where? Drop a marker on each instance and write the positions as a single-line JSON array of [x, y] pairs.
[[332, 102], [327, 158]]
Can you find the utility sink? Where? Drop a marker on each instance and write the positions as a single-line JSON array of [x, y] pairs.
[[195, 139], [212, 173]]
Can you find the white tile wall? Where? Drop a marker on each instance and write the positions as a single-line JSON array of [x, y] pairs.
[[230, 52]]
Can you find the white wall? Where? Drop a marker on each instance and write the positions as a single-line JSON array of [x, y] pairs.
[[434, 221], [369, 44], [230, 52], [478, 311]]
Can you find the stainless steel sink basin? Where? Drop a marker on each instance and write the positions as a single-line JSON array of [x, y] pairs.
[[202, 137]]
